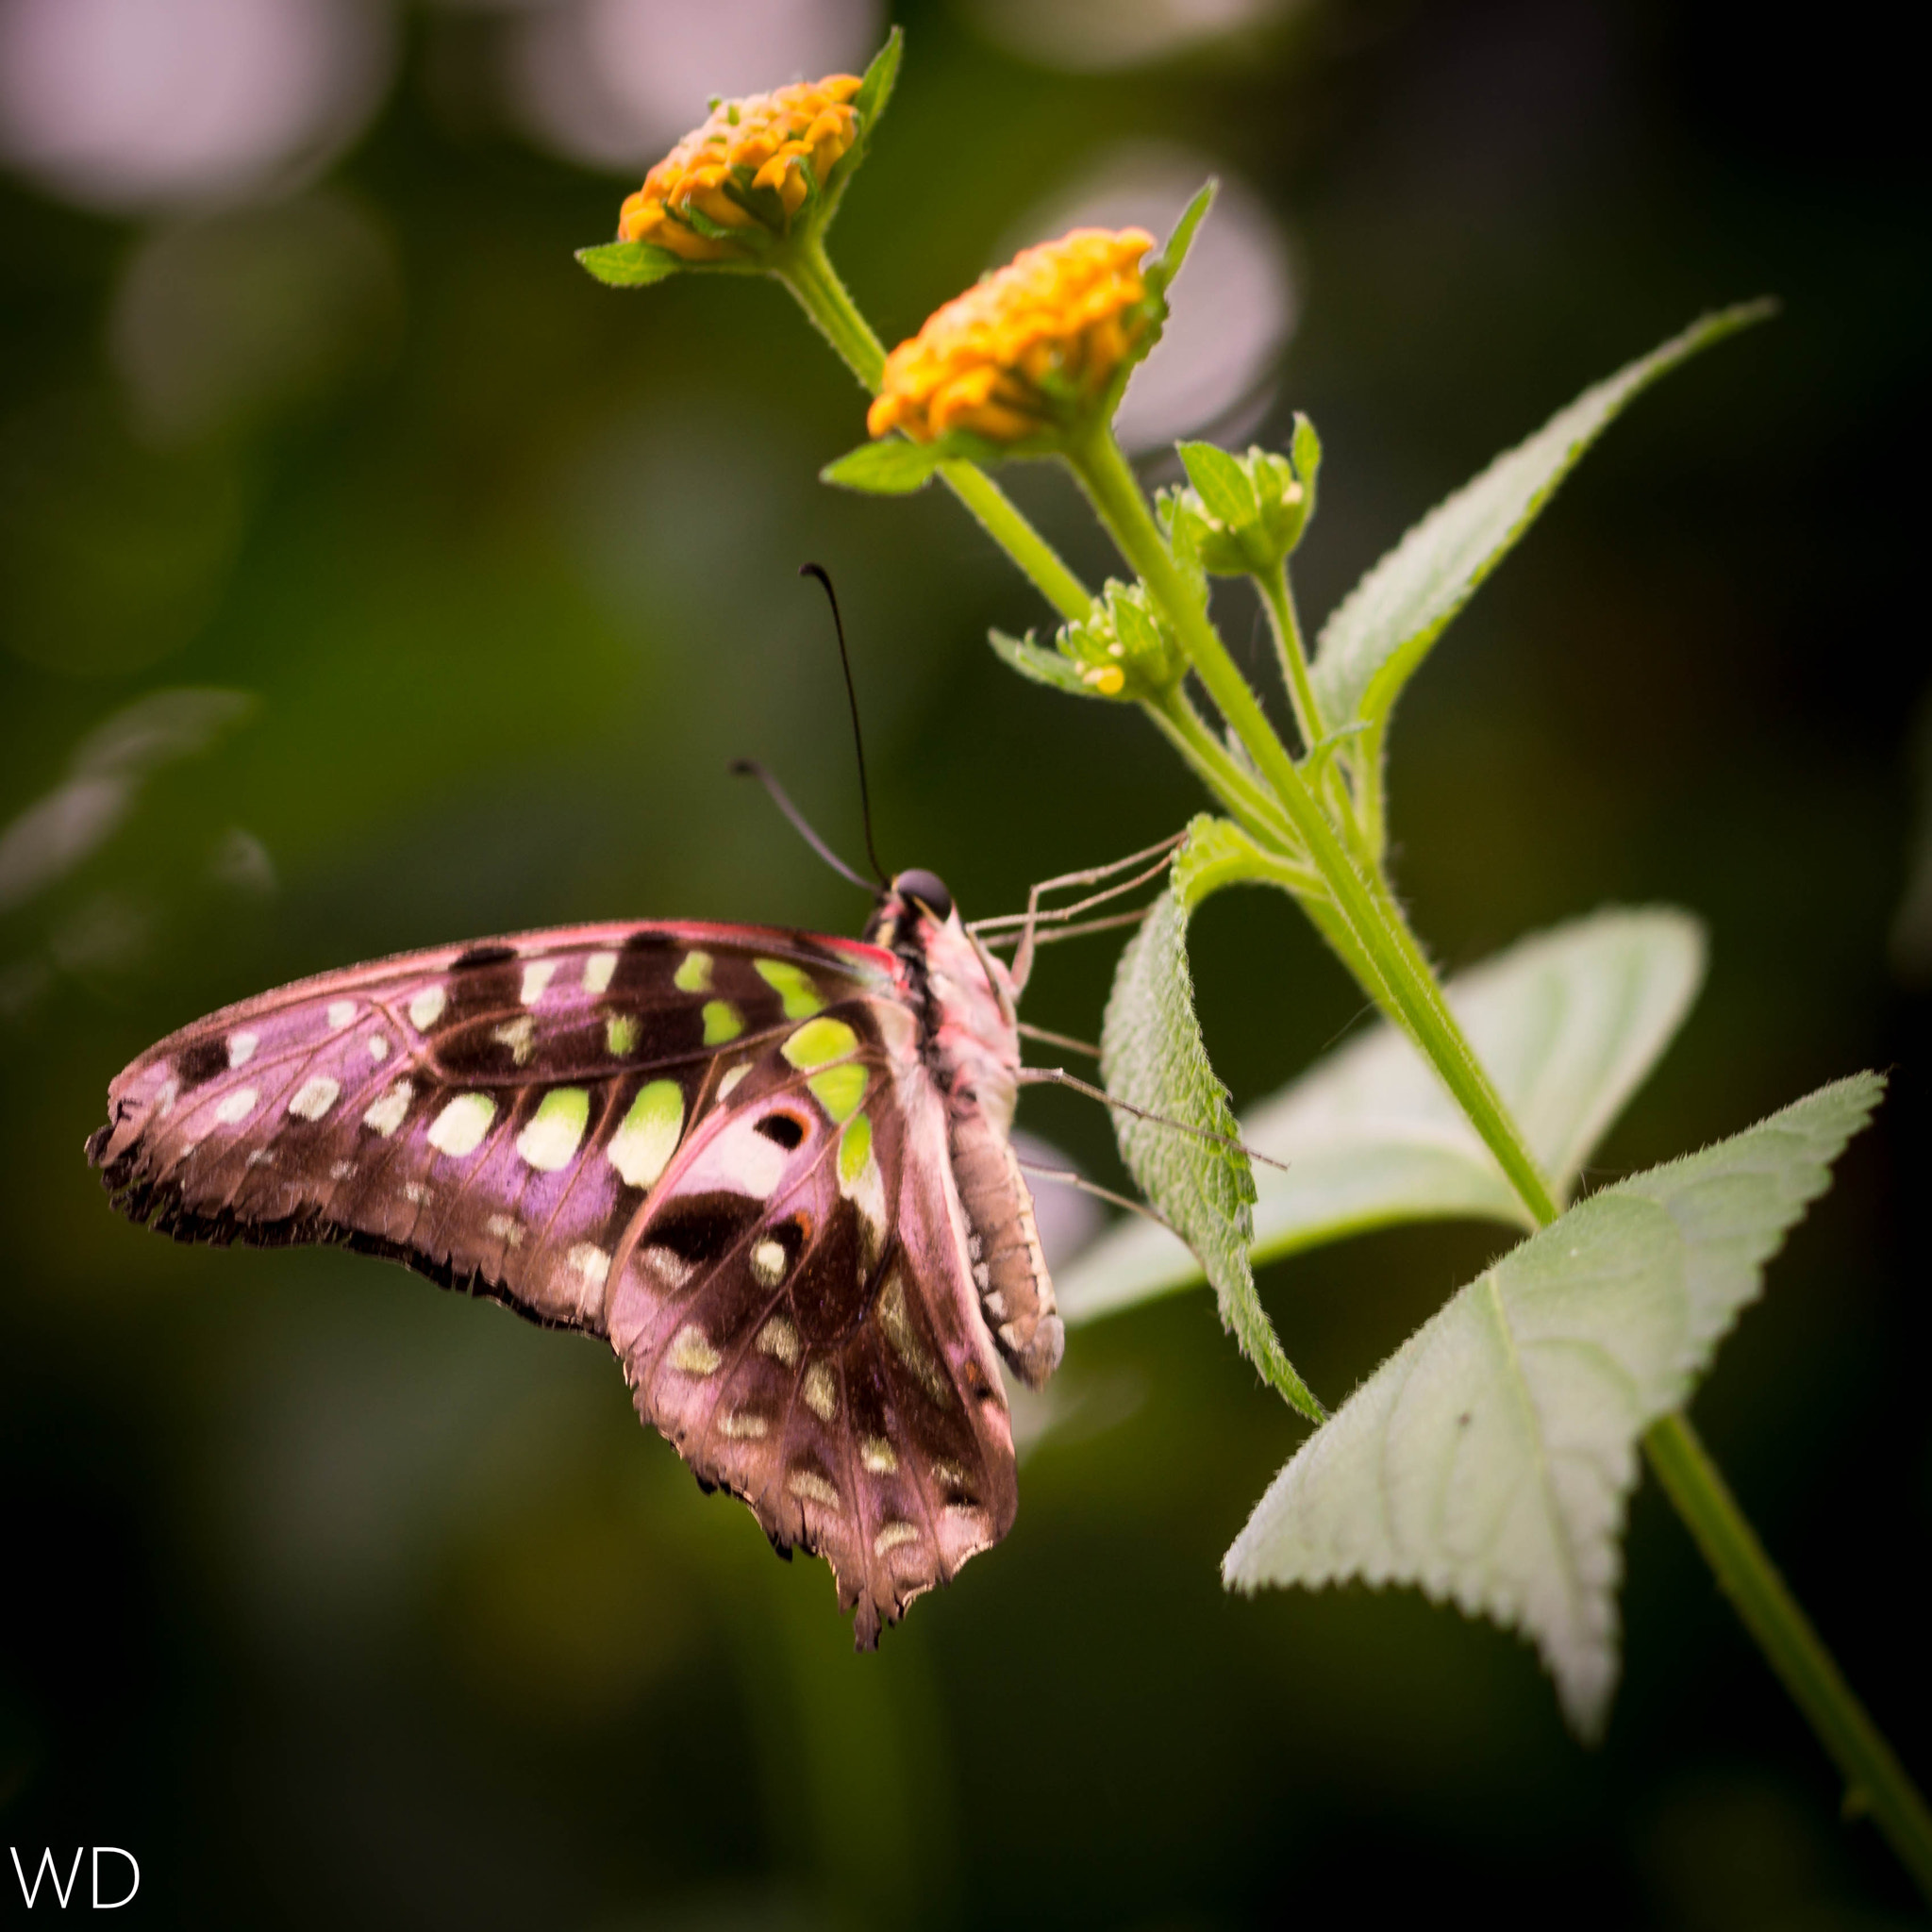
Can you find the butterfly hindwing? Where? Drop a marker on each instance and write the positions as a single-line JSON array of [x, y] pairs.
[[813, 1344]]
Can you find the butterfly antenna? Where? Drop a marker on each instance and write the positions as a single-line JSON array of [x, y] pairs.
[[818, 570], [750, 768]]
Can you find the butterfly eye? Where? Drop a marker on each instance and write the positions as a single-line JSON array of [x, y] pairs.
[[928, 888], [786, 1129]]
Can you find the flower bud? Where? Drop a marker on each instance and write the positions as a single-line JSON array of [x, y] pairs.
[[1029, 351], [1243, 514], [1122, 648], [732, 188]]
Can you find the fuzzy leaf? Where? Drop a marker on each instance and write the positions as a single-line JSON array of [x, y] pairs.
[[1567, 1023], [1380, 632], [1490, 1459], [1152, 1055], [893, 467], [629, 264], [1035, 661]]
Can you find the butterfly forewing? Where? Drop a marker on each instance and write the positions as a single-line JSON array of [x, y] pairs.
[[717, 1147]]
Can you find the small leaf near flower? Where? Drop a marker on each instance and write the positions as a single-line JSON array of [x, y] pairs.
[[1167, 264], [894, 468], [1039, 665], [629, 264]]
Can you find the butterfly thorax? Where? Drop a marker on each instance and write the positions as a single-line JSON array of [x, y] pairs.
[[969, 1044]]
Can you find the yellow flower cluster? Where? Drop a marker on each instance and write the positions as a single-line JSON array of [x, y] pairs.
[[1012, 354], [758, 142]]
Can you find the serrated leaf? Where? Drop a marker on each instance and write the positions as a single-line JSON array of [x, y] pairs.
[[1042, 666], [1490, 1459], [1221, 483], [1568, 1023], [1153, 1056], [630, 264], [893, 467], [1381, 631]]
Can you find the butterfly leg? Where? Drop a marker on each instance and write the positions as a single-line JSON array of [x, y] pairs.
[[1033, 917]]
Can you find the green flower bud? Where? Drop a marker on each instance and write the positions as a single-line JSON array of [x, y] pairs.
[[1121, 649], [1243, 514]]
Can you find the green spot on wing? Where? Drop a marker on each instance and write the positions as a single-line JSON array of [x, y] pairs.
[[723, 1022], [854, 1149], [619, 1034], [791, 984], [839, 1089], [818, 1042], [555, 1130], [641, 1148], [693, 973]]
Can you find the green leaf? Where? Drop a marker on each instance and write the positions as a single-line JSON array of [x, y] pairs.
[[875, 88], [1152, 1055], [1167, 264], [1224, 485], [630, 264], [1380, 632], [1035, 661], [1305, 451], [891, 467], [1217, 854], [1568, 1025], [1490, 1459]]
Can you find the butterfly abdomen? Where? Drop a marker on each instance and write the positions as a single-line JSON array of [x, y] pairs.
[[1008, 1269], [974, 1050]]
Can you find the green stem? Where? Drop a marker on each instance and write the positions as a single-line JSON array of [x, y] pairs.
[[1401, 980], [1876, 1778], [1249, 804], [1000, 518], [1280, 599], [808, 271]]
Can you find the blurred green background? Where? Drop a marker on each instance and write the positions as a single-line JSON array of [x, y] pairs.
[[337, 1599]]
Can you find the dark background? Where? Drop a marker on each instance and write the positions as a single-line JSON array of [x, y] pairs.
[[336, 1599]]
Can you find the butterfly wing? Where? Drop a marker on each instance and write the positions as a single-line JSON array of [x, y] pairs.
[[718, 1146], [433, 1107], [809, 1334]]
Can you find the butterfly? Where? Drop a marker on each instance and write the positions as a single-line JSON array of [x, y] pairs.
[[769, 1168]]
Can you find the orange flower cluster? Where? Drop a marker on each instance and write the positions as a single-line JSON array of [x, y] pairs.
[[762, 142], [1011, 356]]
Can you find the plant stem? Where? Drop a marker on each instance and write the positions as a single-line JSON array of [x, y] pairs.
[[1280, 599], [1401, 983], [808, 271], [1250, 804], [1784, 1634]]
